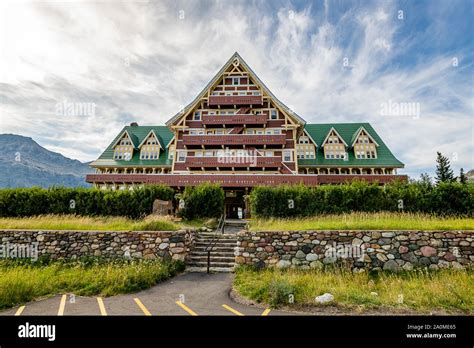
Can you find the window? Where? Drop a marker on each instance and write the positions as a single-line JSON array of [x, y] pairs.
[[269, 153], [208, 153], [256, 93], [273, 115], [236, 81], [286, 156], [181, 156], [197, 116]]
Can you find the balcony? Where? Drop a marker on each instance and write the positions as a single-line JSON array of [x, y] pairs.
[[235, 139], [235, 100], [233, 162], [234, 119]]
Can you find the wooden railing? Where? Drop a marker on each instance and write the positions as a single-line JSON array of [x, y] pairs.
[[235, 100], [234, 161], [235, 139], [235, 119]]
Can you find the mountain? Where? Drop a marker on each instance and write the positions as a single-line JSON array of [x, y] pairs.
[[24, 163]]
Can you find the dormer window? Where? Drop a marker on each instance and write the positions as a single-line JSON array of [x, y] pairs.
[[150, 147], [236, 81], [365, 146], [123, 148], [303, 140]]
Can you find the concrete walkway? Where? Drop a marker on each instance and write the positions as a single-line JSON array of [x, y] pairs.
[[185, 294]]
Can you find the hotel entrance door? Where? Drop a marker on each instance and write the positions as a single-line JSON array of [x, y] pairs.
[[234, 205]]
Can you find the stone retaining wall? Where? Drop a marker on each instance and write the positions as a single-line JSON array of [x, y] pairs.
[[387, 250], [166, 245]]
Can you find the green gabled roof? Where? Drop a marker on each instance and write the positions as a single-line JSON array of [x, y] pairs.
[[138, 134], [347, 131]]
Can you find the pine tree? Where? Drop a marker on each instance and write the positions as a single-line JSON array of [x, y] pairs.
[[425, 181], [462, 177], [444, 173]]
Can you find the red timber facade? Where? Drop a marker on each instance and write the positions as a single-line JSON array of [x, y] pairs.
[[238, 134]]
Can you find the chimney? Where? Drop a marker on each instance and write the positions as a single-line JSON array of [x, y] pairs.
[[133, 124]]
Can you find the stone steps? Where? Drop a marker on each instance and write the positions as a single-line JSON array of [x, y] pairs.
[[222, 258], [213, 253], [211, 269], [214, 258], [213, 264]]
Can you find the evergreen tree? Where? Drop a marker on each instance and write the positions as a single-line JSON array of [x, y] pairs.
[[462, 177], [425, 179], [444, 173]]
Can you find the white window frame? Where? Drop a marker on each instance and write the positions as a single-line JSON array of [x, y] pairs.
[[179, 158], [198, 114], [289, 154]]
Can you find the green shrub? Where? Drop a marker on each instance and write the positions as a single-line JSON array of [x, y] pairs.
[[81, 201], [279, 292], [444, 199], [205, 200]]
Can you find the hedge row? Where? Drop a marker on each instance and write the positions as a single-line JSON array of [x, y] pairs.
[[81, 201], [205, 200], [289, 201]]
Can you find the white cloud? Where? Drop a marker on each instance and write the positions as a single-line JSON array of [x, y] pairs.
[[140, 61]]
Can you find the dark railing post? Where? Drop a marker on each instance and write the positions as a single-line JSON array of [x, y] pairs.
[[208, 260]]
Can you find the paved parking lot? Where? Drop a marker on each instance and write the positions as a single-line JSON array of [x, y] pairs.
[[185, 294]]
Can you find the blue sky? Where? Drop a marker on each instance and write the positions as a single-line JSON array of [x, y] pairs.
[[330, 61]]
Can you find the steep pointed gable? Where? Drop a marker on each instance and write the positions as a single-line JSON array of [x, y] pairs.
[[133, 139], [333, 130], [232, 66], [151, 133], [357, 134]]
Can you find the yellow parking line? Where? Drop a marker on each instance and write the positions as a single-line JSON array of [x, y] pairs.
[[230, 309], [20, 310], [101, 306], [266, 311], [62, 304], [186, 308], [142, 306]]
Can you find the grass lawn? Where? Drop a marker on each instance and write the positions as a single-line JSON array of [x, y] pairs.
[[107, 223], [365, 221], [22, 281], [448, 291]]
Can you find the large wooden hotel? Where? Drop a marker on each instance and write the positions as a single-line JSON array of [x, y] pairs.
[[238, 134]]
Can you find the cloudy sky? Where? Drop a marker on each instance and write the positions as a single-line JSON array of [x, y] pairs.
[[330, 61]]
